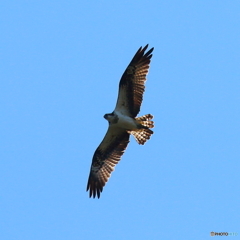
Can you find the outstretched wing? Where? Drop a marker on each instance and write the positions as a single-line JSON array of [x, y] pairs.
[[131, 86], [105, 158]]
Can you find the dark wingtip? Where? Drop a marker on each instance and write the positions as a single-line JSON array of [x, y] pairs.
[[94, 189], [145, 48], [141, 52]]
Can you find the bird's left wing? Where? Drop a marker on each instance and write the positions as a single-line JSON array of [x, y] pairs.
[[131, 85], [106, 156]]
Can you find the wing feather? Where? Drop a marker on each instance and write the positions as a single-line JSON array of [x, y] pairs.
[[131, 86], [105, 158]]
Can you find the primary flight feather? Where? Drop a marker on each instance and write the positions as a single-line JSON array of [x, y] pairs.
[[122, 122]]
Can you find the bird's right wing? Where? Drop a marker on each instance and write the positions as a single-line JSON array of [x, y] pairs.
[[106, 156]]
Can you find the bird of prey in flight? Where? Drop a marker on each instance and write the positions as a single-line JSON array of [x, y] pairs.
[[123, 122]]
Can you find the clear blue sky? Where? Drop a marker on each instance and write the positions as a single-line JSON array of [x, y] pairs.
[[61, 62]]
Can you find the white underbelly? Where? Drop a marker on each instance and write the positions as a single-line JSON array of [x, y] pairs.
[[126, 122]]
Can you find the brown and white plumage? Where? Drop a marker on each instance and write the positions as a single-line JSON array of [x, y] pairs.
[[122, 122], [131, 85]]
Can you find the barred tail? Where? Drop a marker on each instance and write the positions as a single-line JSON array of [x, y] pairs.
[[143, 133]]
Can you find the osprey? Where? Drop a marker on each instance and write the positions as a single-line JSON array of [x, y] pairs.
[[122, 122]]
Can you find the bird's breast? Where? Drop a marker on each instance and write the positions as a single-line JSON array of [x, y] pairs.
[[126, 122]]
